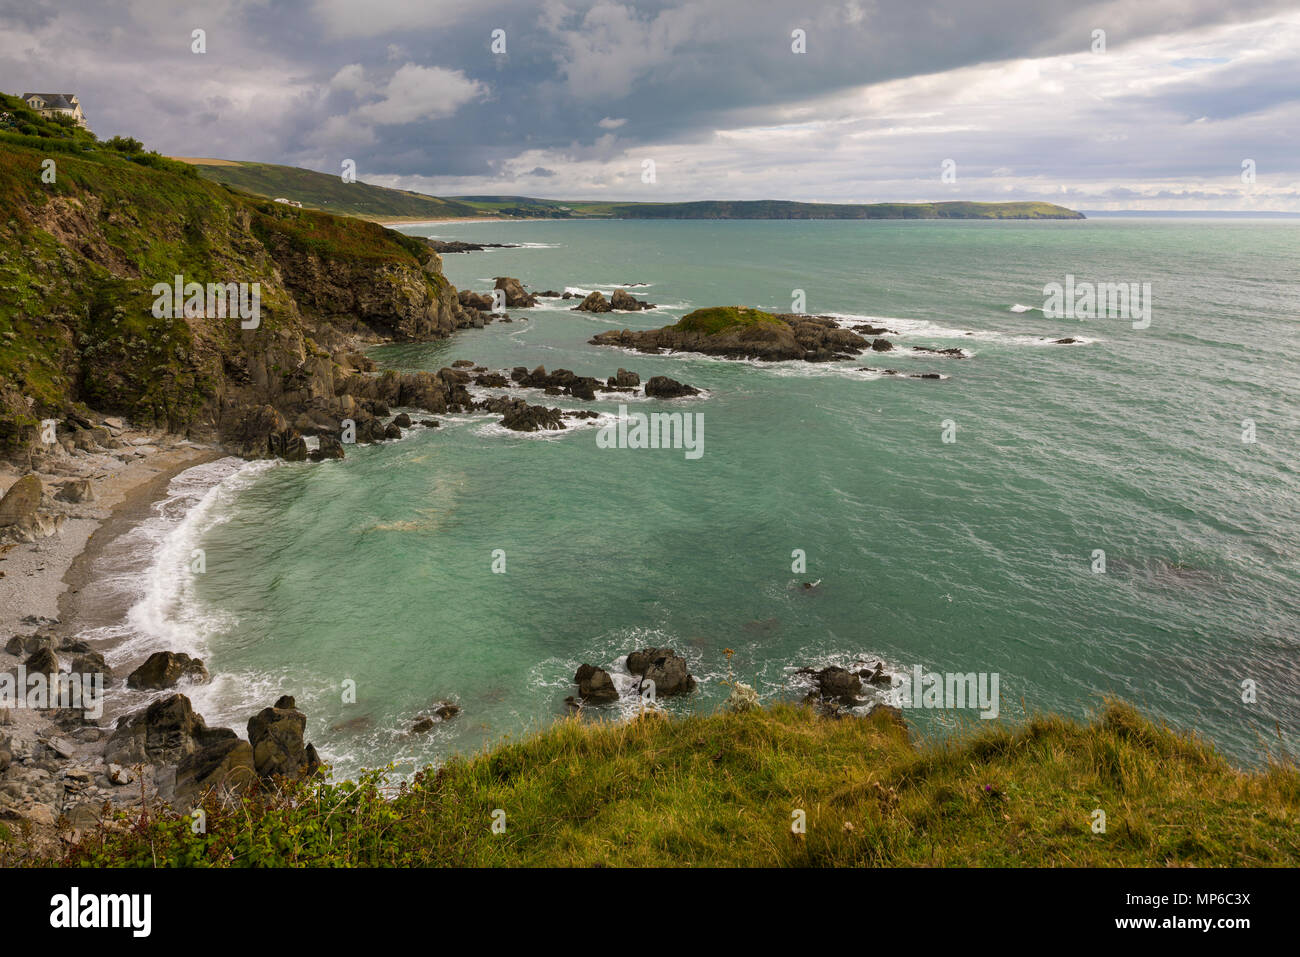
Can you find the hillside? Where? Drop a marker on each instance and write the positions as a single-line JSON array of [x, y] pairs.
[[328, 192], [762, 209], [725, 789], [79, 257]]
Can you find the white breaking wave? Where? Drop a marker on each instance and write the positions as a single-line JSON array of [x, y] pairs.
[[166, 613]]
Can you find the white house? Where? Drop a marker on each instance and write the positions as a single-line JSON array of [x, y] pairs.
[[51, 105]]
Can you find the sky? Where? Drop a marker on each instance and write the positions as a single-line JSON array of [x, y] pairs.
[[1157, 104]]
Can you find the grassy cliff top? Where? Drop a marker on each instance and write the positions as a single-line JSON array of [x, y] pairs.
[[724, 789], [716, 319], [327, 192]]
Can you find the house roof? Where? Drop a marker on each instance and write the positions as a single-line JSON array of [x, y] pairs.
[[56, 101]]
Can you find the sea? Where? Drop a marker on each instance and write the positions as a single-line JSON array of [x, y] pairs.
[[1112, 518]]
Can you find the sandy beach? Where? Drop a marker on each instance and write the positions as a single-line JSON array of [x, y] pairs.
[[57, 759]]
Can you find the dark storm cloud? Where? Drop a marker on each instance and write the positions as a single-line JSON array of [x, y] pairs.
[[410, 88]]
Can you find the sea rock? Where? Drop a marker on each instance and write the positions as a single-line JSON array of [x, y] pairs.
[[422, 725], [836, 684], [595, 684], [522, 417], [624, 302], [20, 645], [166, 669], [624, 380], [276, 735], [43, 661], [222, 768], [516, 296], [166, 731], [778, 337], [881, 345], [595, 302], [21, 501], [402, 420], [662, 387], [329, 448], [475, 300], [667, 669]]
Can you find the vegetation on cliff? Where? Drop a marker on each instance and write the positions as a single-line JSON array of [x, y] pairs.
[[725, 789], [84, 240]]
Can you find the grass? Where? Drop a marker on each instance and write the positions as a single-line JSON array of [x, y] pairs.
[[716, 319], [724, 789]]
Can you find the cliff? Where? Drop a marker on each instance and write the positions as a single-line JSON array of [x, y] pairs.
[[83, 243]]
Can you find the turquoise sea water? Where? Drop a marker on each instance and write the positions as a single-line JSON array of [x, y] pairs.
[[971, 556]]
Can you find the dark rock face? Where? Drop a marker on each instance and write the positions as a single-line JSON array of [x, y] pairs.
[[166, 731], [953, 353], [516, 296], [330, 448], [595, 302], [793, 336], [624, 380], [165, 669], [662, 387], [559, 382], [261, 432], [20, 645], [42, 661], [664, 667], [624, 302], [836, 684], [474, 300], [595, 684], [519, 416], [456, 246], [224, 768], [881, 345], [276, 736]]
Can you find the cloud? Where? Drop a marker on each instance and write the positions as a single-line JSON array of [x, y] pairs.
[[709, 89]]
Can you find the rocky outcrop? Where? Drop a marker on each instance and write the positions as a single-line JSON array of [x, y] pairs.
[[456, 246], [595, 302], [622, 301], [624, 380], [276, 736], [595, 685], [166, 669], [519, 416], [773, 338], [21, 502], [223, 768], [516, 296], [667, 669], [662, 387], [836, 684], [165, 732]]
